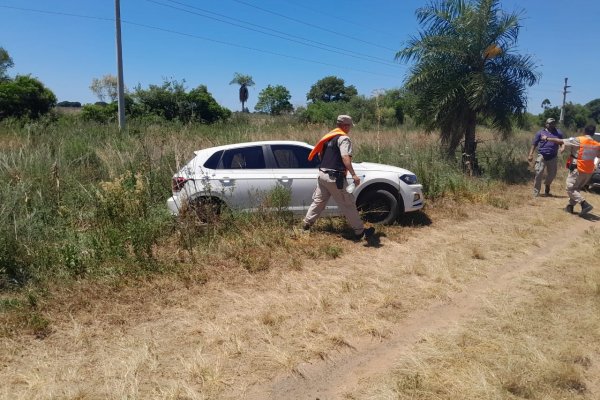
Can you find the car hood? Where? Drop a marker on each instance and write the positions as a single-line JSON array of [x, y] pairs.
[[373, 167]]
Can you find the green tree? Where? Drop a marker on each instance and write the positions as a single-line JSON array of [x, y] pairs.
[[25, 96], [171, 101], [244, 81], [331, 89], [204, 108], [546, 104], [167, 100], [100, 113], [105, 88], [274, 100], [593, 108], [466, 67], [5, 63], [575, 116]]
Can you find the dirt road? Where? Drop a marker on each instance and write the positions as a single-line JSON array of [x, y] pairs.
[[331, 380], [317, 332]]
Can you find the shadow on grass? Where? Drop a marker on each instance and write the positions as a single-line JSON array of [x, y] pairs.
[[417, 218], [590, 217]]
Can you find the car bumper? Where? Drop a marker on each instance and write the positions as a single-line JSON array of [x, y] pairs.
[[414, 200], [173, 205]]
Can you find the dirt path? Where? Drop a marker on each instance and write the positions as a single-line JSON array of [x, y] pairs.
[[332, 379], [313, 332]]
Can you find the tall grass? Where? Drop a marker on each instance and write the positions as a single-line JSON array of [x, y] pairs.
[[83, 199]]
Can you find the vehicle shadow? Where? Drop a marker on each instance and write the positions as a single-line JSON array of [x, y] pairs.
[[417, 218]]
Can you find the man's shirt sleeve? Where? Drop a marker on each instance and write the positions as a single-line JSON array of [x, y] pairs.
[[345, 146]]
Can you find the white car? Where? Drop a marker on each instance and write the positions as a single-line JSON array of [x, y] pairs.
[[239, 176]]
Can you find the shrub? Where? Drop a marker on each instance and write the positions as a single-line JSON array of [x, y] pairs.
[[25, 96], [323, 112], [171, 102], [100, 113], [124, 216], [73, 104]]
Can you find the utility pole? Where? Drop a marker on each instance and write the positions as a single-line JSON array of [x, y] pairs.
[[562, 109], [120, 83]]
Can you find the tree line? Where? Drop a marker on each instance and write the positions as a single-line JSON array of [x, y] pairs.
[[465, 71]]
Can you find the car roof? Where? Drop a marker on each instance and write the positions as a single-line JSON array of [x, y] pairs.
[[247, 144]]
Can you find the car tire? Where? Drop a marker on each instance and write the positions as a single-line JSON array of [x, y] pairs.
[[379, 206], [206, 209]]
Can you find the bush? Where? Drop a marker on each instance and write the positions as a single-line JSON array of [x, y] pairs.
[[368, 111], [323, 112], [504, 162], [73, 104], [100, 113], [25, 96], [124, 213], [204, 108], [171, 102]]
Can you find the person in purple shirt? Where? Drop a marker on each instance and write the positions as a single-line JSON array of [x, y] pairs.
[[546, 159]]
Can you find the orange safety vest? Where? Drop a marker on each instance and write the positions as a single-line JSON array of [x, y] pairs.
[[319, 146], [588, 150]]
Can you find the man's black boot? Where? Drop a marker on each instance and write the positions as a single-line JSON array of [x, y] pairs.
[[569, 209], [367, 233], [547, 191], [585, 207]]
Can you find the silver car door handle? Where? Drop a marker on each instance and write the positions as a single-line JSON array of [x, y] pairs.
[[284, 179], [225, 180]]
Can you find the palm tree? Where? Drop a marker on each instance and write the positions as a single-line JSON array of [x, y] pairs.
[[244, 81], [546, 104], [466, 68]]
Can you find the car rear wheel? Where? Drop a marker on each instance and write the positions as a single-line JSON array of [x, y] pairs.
[[379, 207], [206, 209]]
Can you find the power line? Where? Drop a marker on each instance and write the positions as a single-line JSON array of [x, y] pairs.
[[346, 20], [330, 48], [313, 25], [58, 13], [255, 49], [146, 26]]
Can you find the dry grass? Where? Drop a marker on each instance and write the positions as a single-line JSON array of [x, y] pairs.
[[227, 328], [539, 340], [262, 302]]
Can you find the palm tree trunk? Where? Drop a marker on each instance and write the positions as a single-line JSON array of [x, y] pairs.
[[469, 156]]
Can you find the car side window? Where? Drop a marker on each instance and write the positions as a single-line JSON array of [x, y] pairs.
[[289, 156], [243, 158], [213, 161]]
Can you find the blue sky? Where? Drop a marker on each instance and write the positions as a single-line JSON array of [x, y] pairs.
[[354, 40]]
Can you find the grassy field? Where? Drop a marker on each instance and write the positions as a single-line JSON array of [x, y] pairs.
[[104, 295], [82, 201]]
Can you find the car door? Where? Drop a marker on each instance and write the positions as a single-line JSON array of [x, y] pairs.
[[293, 171], [242, 179]]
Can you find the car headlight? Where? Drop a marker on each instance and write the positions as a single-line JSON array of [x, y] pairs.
[[409, 179]]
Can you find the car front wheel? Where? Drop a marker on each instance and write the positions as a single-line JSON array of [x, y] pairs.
[[379, 207]]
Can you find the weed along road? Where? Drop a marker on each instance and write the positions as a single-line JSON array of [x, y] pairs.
[[485, 302]]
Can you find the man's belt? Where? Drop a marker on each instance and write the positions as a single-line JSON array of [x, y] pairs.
[[332, 171]]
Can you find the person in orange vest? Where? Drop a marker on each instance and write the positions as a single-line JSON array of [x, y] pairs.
[[335, 151], [583, 150]]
